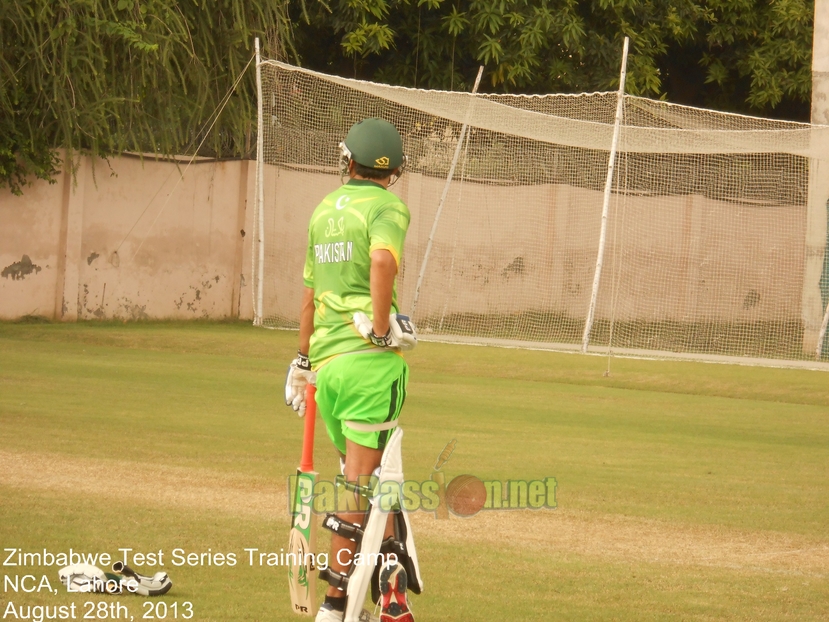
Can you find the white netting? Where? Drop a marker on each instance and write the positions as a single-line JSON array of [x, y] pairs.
[[716, 239]]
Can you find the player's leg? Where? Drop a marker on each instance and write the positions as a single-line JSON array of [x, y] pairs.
[[362, 396], [385, 526], [355, 386], [360, 464], [399, 566], [384, 534], [329, 381]]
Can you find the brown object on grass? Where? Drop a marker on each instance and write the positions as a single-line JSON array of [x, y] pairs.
[[465, 495]]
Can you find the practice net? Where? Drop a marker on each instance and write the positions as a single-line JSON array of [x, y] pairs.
[[716, 239]]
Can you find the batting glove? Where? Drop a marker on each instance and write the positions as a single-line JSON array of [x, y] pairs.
[[401, 335], [296, 381]]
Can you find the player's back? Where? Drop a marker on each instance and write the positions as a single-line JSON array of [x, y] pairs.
[[351, 222]]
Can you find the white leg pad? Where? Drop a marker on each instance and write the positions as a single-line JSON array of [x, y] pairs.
[[412, 551], [386, 497]]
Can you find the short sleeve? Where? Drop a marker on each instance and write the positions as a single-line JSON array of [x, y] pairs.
[[387, 230], [308, 271]]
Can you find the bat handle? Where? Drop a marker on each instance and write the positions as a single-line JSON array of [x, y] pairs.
[[306, 465]]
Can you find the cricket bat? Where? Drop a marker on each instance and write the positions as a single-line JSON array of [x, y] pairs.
[[303, 539]]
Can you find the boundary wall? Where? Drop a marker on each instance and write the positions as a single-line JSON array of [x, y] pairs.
[[130, 239]]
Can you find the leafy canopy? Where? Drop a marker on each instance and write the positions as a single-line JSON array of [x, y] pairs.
[[107, 76], [740, 55]]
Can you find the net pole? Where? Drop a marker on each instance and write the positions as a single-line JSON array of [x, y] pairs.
[[597, 275], [822, 334], [445, 192], [259, 212]]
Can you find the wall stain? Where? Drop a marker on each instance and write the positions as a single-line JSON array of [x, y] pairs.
[[92, 258], [516, 266], [84, 303], [571, 279], [139, 313], [197, 297], [134, 311], [20, 269], [99, 312], [751, 300]]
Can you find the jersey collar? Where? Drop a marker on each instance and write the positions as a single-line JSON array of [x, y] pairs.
[[362, 182]]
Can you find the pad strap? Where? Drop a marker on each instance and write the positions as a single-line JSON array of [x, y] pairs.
[[363, 491], [334, 578], [352, 531], [390, 545]]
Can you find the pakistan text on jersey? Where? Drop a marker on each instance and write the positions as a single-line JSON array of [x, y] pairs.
[[334, 252]]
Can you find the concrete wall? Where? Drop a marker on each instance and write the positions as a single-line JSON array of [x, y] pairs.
[[506, 249], [137, 241], [132, 240]]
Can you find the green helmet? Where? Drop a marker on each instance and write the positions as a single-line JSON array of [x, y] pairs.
[[375, 143]]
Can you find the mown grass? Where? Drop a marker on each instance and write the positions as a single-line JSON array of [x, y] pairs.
[[723, 451]]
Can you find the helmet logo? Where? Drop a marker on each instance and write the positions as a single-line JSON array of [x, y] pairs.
[[381, 162]]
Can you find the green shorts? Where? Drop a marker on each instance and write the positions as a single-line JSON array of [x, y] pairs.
[[368, 388]]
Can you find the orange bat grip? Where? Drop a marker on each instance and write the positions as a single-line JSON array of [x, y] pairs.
[[306, 465]]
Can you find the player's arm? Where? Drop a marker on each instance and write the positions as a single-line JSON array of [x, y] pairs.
[[383, 271], [306, 320], [299, 371], [387, 233], [387, 330]]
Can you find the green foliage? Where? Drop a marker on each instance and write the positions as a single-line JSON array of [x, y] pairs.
[[740, 55], [106, 76], [769, 43]]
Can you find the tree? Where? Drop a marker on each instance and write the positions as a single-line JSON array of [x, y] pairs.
[[107, 76], [760, 53], [750, 56]]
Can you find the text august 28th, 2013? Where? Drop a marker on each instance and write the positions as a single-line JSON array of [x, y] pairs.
[[24, 576]]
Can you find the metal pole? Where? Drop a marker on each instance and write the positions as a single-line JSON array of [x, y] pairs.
[[816, 215], [822, 334], [597, 275], [445, 192], [260, 193]]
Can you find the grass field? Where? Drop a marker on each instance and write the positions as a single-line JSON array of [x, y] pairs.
[[685, 491]]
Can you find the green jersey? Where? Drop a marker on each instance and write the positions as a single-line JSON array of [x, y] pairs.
[[350, 223]]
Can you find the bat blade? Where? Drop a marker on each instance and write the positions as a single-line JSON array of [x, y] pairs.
[[302, 540], [301, 547]]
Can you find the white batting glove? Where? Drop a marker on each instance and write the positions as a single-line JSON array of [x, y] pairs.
[[403, 332], [296, 381], [401, 335], [364, 326]]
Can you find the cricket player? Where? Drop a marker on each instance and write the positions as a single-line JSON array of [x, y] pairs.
[[350, 334]]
